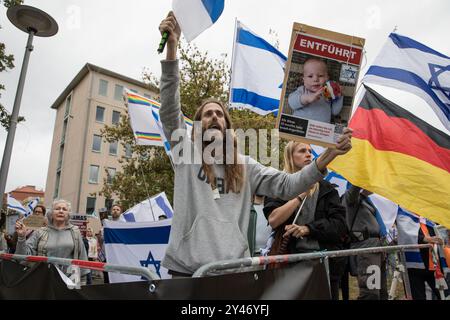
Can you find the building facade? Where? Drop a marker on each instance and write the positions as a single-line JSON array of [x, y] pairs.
[[26, 193], [80, 160]]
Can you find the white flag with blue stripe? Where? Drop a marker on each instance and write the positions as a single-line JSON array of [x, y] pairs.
[[143, 212], [385, 215], [408, 65], [408, 225], [137, 244], [15, 205], [257, 73], [31, 205], [408, 233], [195, 16]]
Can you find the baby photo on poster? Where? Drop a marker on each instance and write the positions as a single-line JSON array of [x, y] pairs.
[[319, 85]]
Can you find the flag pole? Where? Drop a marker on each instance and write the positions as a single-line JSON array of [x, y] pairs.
[[232, 62], [148, 194]]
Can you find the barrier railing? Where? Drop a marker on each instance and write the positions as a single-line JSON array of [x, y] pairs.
[[221, 265], [291, 258], [93, 265]]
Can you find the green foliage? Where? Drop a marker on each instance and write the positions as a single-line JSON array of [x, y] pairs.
[[201, 77], [7, 62], [149, 170], [11, 3]]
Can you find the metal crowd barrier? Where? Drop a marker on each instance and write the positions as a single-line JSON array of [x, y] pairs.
[[222, 265], [93, 265], [292, 258]]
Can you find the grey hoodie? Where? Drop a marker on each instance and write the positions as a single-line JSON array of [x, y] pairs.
[[205, 229]]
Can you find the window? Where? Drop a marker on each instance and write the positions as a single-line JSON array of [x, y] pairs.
[[68, 100], [97, 143], [111, 172], [113, 148], [100, 114], [128, 152], [60, 157], [109, 204], [103, 88], [58, 179], [132, 90], [93, 174], [63, 136], [118, 92], [115, 117], [90, 205], [147, 96]]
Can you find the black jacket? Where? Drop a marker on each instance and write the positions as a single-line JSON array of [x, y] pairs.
[[329, 227], [361, 215]]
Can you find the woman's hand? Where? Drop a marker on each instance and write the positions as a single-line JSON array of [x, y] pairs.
[[21, 229], [434, 240], [296, 231]]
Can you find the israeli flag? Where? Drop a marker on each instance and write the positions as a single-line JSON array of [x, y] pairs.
[[195, 16], [31, 205], [408, 65], [386, 213], [257, 73], [137, 244], [408, 225], [149, 210], [15, 205]]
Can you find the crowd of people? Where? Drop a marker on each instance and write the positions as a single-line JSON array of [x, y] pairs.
[[61, 239], [211, 223]]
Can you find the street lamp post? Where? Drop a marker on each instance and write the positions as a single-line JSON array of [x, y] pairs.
[[35, 22]]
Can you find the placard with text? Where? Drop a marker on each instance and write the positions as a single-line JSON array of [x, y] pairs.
[[319, 86]]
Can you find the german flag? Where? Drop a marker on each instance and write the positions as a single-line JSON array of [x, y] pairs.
[[399, 156]]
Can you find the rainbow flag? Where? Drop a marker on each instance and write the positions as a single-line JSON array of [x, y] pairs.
[[145, 121]]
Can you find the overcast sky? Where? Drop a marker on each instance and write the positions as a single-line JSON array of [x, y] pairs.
[[123, 37]]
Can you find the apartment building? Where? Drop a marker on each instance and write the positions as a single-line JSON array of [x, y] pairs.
[[79, 160]]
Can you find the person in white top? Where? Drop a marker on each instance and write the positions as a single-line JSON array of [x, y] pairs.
[[92, 240]]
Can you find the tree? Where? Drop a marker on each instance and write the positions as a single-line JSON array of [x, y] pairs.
[[146, 173], [149, 171], [6, 62]]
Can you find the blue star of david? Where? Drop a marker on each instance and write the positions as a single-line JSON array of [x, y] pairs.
[[434, 83], [350, 74], [150, 260]]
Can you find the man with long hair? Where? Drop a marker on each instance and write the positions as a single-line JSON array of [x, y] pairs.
[[212, 196]]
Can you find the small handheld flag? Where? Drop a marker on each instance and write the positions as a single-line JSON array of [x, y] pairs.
[[195, 16]]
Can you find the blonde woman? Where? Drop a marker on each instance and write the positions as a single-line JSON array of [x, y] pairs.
[[92, 240], [321, 222], [59, 239]]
